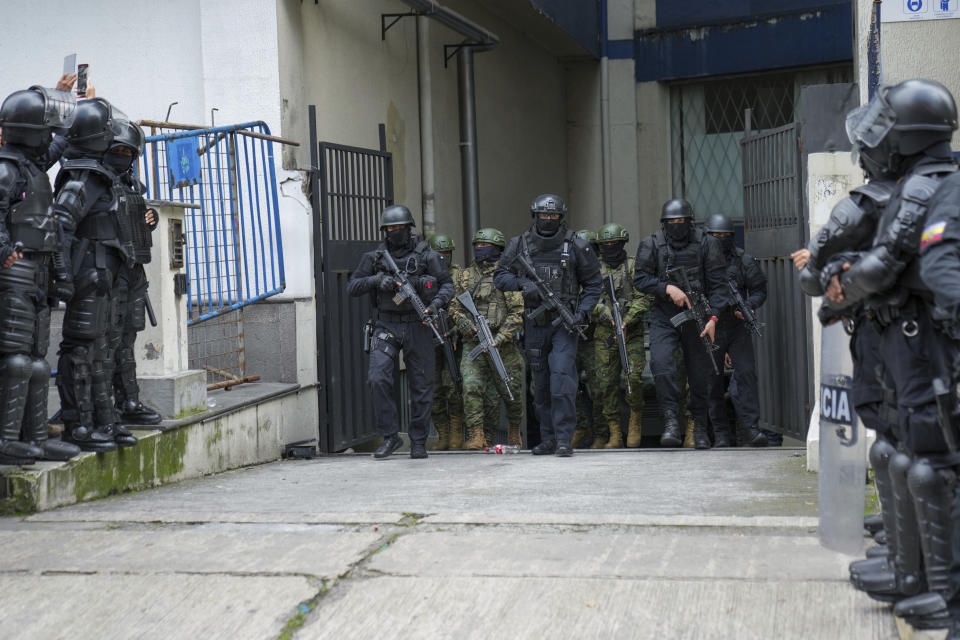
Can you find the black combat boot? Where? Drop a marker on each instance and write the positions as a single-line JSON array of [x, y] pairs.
[[546, 448], [390, 444], [418, 450], [121, 435], [672, 433], [135, 412], [701, 440], [88, 439], [721, 437], [756, 437], [564, 450], [926, 611]]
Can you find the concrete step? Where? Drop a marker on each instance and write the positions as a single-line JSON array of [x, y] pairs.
[[248, 425]]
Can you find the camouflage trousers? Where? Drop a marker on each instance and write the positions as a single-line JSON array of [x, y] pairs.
[[589, 405], [609, 372], [483, 389], [447, 396]]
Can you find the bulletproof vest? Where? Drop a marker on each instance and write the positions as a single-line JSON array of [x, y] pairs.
[[132, 228], [31, 221], [554, 259], [413, 263], [99, 224], [490, 301], [689, 257], [622, 280]]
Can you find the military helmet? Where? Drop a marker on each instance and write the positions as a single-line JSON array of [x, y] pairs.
[[30, 117], [396, 214], [96, 124], [718, 223], [612, 232], [905, 118], [676, 208], [587, 235], [548, 203], [130, 136], [491, 235], [441, 242]]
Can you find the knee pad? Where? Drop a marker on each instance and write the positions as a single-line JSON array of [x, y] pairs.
[[39, 371], [881, 452], [925, 481], [900, 464], [18, 322], [86, 316], [15, 367]]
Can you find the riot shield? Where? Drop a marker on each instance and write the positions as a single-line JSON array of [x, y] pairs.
[[842, 478]]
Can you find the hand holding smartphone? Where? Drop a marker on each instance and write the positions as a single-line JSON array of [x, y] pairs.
[[82, 79]]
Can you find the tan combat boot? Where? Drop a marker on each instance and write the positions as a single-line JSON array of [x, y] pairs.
[[687, 433], [443, 437], [579, 436], [633, 432], [513, 436], [616, 437], [598, 442], [476, 440], [456, 432]]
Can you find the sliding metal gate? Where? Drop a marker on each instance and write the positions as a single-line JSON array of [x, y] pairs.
[[350, 187], [775, 225]]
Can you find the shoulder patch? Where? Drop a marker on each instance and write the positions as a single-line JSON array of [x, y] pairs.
[[932, 234]]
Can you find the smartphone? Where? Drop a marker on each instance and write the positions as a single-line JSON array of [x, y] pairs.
[[69, 64], [82, 79]]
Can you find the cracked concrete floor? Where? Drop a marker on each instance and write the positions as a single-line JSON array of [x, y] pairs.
[[629, 544]]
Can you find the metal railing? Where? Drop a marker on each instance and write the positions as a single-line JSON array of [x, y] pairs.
[[234, 248]]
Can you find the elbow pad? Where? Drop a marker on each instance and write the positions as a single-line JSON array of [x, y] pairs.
[[69, 203], [810, 281], [849, 227], [876, 272]]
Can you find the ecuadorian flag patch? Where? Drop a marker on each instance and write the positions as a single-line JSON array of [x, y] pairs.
[[932, 234]]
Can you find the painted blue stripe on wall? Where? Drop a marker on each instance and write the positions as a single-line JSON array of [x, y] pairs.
[[789, 41], [620, 49], [675, 13]]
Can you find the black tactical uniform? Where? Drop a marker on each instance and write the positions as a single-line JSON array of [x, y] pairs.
[[399, 327], [571, 271], [733, 338], [130, 289], [34, 282], [907, 129], [680, 246], [86, 204]]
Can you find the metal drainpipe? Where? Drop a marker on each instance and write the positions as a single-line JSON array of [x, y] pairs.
[[427, 178], [478, 39], [605, 117]]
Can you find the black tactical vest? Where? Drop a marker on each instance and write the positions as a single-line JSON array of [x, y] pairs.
[[689, 257], [31, 221], [554, 259], [99, 224], [412, 264], [133, 230]]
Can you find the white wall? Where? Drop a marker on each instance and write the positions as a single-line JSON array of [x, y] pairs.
[[145, 55]]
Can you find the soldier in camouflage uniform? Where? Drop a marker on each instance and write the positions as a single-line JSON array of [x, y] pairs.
[[447, 410], [614, 262], [589, 408], [482, 387]]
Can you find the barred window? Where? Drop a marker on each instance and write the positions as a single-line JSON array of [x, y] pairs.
[[707, 126]]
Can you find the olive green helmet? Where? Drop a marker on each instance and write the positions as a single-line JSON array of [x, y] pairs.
[[586, 234], [612, 232], [441, 242], [491, 235]]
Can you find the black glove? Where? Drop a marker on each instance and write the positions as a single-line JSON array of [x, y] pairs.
[[435, 306], [63, 289], [581, 318], [529, 290], [384, 282]]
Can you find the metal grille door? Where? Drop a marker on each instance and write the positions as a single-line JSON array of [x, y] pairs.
[[774, 226], [350, 187]]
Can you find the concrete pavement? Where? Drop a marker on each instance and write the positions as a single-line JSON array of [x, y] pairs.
[[631, 544]]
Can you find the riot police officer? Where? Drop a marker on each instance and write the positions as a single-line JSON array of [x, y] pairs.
[[137, 223], [548, 261], [32, 273], [86, 205], [744, 273], [661, 257], [483, 387], [614, 263], [447, 410], [591, 429], [905, 131], [398, 325]]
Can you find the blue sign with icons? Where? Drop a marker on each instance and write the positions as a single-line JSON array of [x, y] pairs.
[[183, 163], [907, 10], [914, 5]]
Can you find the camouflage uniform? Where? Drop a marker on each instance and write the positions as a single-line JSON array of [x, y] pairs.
[[447, 408], [482, 387], [608, 370], [589, 410]]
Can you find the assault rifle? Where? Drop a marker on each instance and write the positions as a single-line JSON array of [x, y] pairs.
[[486, 341], [549, 300], [946, 398], [618, 330], [406, 292], [749, 317], [697, 311]]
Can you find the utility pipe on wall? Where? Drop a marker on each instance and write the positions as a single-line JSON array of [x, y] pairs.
[[427, 178], [605, 116]]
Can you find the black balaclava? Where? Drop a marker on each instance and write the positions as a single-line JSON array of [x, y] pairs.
[[398, 238], [487, 254], [613, 254], [117, 162], [677, 233], [726, 244], [547, 227]]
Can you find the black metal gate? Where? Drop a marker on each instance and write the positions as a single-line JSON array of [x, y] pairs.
[[350, 187], [775, 225]]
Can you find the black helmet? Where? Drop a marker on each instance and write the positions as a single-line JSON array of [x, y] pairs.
[[718, 223], [30, 117], [396, 214], [676, 208], [904, 119], [96, 125], [548, 203], [130, 136]]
